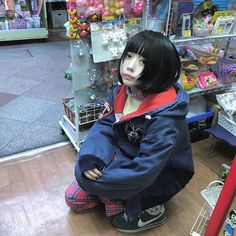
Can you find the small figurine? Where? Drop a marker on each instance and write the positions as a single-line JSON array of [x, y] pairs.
[[231, 224]]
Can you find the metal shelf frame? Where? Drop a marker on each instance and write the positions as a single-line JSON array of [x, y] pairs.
[[198, 92], [69, 130]]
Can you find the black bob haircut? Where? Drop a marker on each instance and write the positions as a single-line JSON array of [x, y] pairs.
[[162, 63]]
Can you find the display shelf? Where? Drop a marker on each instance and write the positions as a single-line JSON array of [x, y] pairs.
[[83, 96], [198, 92], [83, 63], [25, 20], [202, 116], [203, 40], [70, 131], [23, 34]]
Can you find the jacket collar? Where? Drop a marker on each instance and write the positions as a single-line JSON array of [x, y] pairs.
[[149, 103]]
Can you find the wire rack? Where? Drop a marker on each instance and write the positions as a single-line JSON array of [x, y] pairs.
[[210, 195]]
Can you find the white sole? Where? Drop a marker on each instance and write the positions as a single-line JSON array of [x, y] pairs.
[[143, 228]]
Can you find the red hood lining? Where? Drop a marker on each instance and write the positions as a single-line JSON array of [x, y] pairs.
[[150, 102]]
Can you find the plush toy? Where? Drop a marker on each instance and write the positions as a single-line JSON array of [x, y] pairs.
[[114, 7], [188, 82], [138, 7]]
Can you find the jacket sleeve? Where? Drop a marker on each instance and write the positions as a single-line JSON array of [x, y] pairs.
[[124, 177], [97, 149]]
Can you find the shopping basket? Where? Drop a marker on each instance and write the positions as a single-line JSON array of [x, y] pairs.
[[210, 194]]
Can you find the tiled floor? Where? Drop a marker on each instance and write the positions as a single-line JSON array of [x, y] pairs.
[[6, 98], [32, 87]]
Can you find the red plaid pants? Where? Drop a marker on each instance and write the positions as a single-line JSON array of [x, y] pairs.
[[79, 200]]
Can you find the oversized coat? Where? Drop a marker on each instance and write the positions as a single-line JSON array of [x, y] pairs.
[[147, 152]]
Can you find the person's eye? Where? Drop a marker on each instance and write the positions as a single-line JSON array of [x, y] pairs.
[[129, 55], [142, 60]]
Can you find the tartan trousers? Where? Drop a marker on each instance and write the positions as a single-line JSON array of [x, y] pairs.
[[79, 200]]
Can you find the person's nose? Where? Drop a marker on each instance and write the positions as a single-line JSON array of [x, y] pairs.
[[131, 65]]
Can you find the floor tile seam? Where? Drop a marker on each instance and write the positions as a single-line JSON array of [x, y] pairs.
[[45, 125], [15, 136], [33, 122], [208, 166], [30, 123], [28, 120], [33, 87], [45, 113]]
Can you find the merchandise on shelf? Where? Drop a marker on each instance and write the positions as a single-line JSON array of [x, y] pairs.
[[188, 81], [207, 80], [88, 113], [20, 14], [225, 71], [99, 30], [203, 66], [223, 172], [227, 101], [109, 38], [230, 223], [82, 13], [202, 18]]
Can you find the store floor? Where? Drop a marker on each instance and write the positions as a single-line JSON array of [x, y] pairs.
[[32, 87], [35, 205]]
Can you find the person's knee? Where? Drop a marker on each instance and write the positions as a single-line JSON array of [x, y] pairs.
[[78, 199], [70, 198], [72, 195]]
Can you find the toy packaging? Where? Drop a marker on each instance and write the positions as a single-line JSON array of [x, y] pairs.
[[207, 80]]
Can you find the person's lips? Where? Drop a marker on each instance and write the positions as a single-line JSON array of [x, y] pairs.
[[126, 76]]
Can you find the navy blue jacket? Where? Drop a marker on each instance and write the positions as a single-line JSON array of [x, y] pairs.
[[133, 150]]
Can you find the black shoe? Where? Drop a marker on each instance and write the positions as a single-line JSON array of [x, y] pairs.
[[150, 218]]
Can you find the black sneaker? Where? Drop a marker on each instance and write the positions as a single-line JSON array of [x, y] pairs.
[[150, 218]]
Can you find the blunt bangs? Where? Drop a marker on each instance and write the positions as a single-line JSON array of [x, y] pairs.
[[162, 64]]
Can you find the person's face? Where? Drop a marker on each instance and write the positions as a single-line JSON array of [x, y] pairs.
[[131, 69], [233, 218]]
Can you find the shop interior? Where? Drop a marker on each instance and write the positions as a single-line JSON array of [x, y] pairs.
[[65, 56]]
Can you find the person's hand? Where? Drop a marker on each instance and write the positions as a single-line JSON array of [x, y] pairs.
[[93, 174]]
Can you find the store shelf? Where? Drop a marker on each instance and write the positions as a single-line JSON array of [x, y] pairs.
[[202, 116], [82, 63], [69, 130], [203, 40], [197, 91], [23, 34], [25, 21]]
